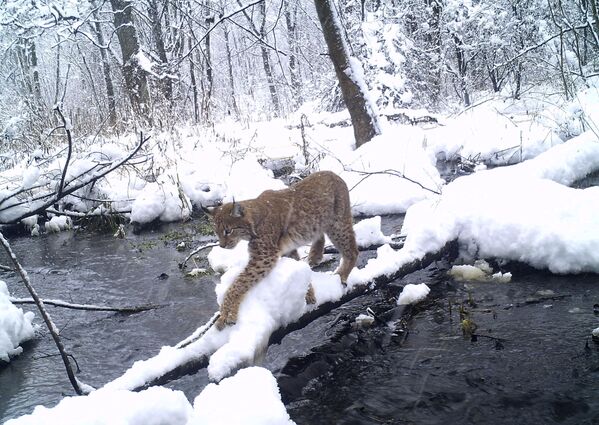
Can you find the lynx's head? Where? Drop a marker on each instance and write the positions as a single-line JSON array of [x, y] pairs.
[[230, 223]]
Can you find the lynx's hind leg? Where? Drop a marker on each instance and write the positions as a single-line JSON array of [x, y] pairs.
[[316, 252], [343, 237], [310, 296]]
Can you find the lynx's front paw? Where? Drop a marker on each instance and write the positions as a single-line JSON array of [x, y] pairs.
[[228, 313], [227, 318]]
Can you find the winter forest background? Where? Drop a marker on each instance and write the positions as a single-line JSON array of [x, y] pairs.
[[477, 119], [117, 66]]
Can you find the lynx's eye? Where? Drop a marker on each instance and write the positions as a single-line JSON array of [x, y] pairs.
[[227, 232]]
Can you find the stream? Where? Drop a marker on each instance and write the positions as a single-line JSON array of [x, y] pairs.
[[532, 360]]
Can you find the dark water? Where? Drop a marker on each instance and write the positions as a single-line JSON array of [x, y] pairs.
[[540, 366], [97, 269], [533, 361]]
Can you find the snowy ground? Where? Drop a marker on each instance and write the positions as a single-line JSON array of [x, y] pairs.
[[525, 212]]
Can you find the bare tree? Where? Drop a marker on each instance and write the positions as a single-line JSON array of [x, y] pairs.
[[135, 77], [349, 73]]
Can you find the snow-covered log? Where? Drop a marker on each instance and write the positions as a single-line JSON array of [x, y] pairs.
[[192, 355]]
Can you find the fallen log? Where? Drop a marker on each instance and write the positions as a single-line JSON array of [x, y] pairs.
[[200, 358], [88, 307]]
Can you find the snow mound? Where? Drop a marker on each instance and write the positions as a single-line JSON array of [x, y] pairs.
[[162, 201], [58, 223], [256, 399], [15, 326], [412, 294], [481, 271], [154, 406], [517, 213]]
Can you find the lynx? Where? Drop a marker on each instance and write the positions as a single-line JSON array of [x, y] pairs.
[[277, 223]]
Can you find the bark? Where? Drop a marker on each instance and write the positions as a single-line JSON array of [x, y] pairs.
[[291, 21], [272, 88], [105, 70], [136, 82], [362, 113], [207, 96], [230, 70], [166, 84]]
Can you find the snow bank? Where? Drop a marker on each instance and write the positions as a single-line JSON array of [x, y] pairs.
[[374, 172], [162, 201], [492, 132], [154, 406], [58, 223], [251, 397], [517, 213], [15, 326]]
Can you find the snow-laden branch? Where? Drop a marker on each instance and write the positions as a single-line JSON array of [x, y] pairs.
[[40, 202]]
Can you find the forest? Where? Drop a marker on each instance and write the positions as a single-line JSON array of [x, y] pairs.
[[467, 133]]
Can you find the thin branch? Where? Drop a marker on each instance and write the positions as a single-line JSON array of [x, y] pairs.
[[69, 151], [221, 20], [42, 309], [87, 307], [195, 251]]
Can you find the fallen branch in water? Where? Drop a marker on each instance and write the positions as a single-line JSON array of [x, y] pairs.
[[77, 385], [195, 251], [186, 359], [87, 307]]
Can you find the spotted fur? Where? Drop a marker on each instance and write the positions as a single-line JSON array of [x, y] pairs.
[[276, 223]]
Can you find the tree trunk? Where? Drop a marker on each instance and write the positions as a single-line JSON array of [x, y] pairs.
[[291, 21], [194, 85], [105, 69], [230, 69], [136, 82], [166, 84], [207, 95], [272, 88], [349, 73]]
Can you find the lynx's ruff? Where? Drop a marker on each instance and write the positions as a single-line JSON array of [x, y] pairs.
[[277, 223]]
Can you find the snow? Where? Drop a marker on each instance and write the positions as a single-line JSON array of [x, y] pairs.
[[154, 406], [57, 224], [254, 391], [522, 212], [15, 326], [481, 271], [412, 294], [525, 212], [256, 397]]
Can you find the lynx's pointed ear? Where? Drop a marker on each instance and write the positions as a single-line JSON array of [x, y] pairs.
[[237, 210]]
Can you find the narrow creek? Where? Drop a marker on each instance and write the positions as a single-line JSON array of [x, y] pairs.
[[534, 359]]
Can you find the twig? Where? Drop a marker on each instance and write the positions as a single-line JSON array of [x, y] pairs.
[[367, 174], [69, 150], [88, 307], [42, 309], [195, 251]]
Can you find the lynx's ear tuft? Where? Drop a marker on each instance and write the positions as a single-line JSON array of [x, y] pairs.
[[237, 210]]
